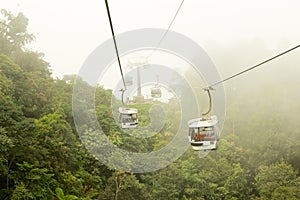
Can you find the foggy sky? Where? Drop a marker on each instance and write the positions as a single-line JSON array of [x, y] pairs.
[[67, 31]]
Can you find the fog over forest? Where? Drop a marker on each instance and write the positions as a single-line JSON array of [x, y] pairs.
[[44, 154]]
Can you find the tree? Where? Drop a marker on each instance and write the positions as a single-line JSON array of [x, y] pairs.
[[61, 196], [277, 178], [13, 32], [123, 186], [33, 182]]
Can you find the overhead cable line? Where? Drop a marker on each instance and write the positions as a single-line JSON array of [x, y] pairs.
[[167, 30], [116, 47], [253, 67]]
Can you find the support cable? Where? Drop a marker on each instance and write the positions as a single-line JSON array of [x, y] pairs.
[[116, 47], [167, 30], [242, 72], [253, 67]]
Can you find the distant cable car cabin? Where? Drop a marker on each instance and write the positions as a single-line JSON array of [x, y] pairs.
[[128, 117], [128, 80], [156, 92], [203, 133]]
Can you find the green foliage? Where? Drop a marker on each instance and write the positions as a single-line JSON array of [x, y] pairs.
[[61, 196], [34, 181], [13, 32], [277, 178], [282, 192], [6, 144], [123, 186]]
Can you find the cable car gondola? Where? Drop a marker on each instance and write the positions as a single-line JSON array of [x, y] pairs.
[[156, 92], [203, 133], [128, 80], [128, 117]]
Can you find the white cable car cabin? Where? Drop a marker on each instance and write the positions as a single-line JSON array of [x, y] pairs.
[[203, 133], [128, 117], [156, 92], [128, 80]]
